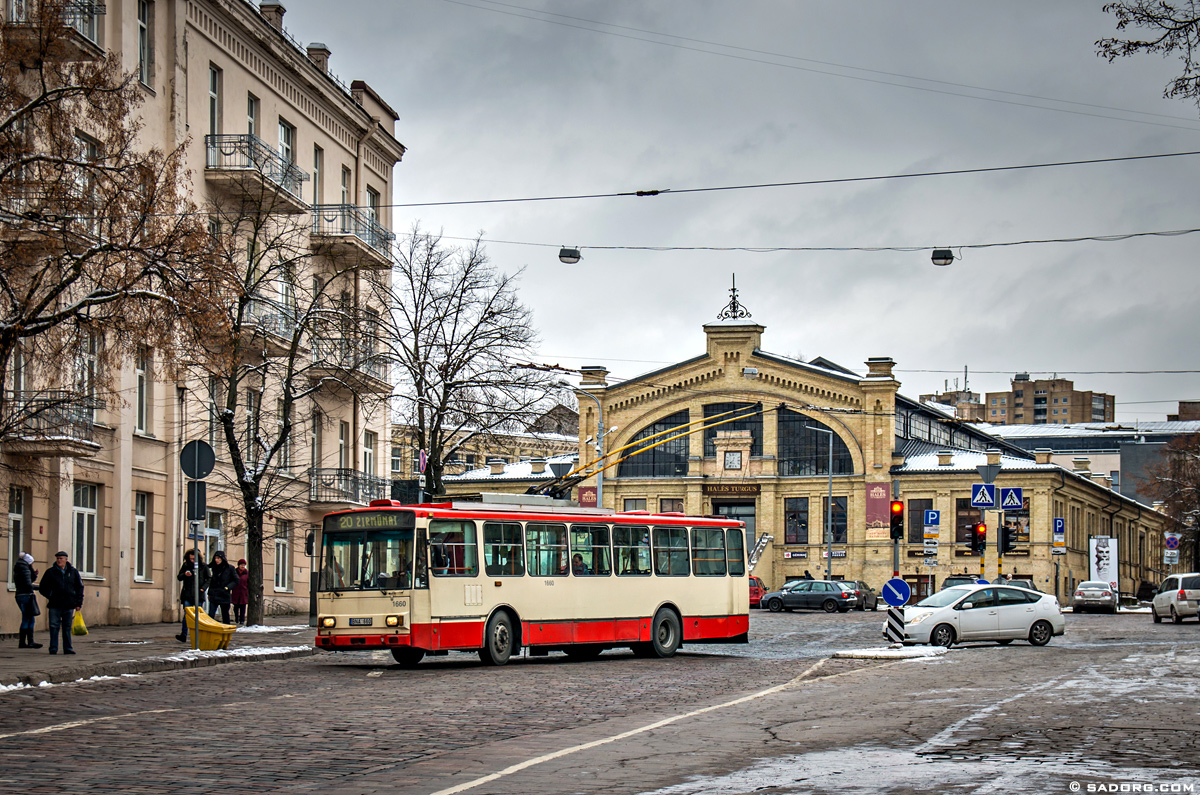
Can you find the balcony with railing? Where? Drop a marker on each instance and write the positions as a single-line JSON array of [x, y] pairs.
[[346, 487], [82, 19], [346, 230], [273, 325], [49, 424], [353, 361], [247, 166]]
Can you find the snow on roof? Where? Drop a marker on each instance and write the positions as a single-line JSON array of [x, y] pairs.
[[967, 461], [1089, 429], [521, 470], [941, 408]]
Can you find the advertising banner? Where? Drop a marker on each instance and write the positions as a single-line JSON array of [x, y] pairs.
[[879, 511], [1102, 560]]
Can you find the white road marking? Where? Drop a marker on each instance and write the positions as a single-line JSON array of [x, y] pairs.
[[649, 727]]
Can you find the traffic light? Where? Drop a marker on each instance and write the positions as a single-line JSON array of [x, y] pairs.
[[897, 520], [1008, 538], [979, 539]]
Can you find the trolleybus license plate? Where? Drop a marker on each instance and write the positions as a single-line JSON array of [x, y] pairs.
[[361, 622]]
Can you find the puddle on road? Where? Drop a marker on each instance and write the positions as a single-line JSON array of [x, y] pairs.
[[885, 770]]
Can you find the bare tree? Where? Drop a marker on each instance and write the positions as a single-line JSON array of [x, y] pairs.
[[1175, 481], [1174, 28], [295, 331], [99, 245], [459, 331]]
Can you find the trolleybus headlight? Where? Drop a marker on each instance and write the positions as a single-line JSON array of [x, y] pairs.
[[393, 621], [328, 622]]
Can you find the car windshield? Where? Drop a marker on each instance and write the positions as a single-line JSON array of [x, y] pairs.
[[1095, 584], [947, 596], [367, 551]]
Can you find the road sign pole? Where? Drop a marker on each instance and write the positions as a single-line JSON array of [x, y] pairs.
[[196, 587], [982, 543], [895, 557]]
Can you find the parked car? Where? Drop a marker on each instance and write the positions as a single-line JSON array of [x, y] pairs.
[[1177, 597], [757, 589], [958, 579], [865, 596], [1026, 584], [811, 595], [1094, 595], [1002, 613]]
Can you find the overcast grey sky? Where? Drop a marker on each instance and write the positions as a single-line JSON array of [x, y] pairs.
[[524, 99]]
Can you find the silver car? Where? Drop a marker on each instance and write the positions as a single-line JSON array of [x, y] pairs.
[[1000, 613], [1094, 595]]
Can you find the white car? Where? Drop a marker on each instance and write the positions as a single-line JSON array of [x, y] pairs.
[[1177, 597], [1001, 613]]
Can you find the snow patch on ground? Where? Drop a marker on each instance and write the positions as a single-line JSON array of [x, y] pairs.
[[43, 683], [252, 651], [255, 628], [891, 653]]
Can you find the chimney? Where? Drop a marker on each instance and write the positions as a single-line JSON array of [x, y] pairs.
[[993, 457], [1042, 456], [318, 53], [945, 457], [1101, 480], [880, 367], [539, 465], [594, 375], [1081, 465], [496, 465], [273, 12]]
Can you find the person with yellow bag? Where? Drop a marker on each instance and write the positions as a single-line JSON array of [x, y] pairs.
[[63, 588]]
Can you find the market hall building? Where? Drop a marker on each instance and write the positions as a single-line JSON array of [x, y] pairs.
[[741, 432]]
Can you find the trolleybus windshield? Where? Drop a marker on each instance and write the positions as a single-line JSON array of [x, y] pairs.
[[367, 551]]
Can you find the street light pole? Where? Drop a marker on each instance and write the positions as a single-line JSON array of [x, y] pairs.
[[828, 508]]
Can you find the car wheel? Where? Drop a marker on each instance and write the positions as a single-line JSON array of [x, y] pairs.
[[875, 606], [1005, 642], [829, 606], [1155, 615], [1175, 617], [942, 635], [665, 632], [407, 656], [775, 605], [497, 640], [1040, 633]]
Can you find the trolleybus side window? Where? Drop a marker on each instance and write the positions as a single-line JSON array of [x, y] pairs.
[[589, 551], [708, 549], [420, 568], [671, 551], [503, 549], [453, 551], [631, 550], [735, 551], [546, 547]]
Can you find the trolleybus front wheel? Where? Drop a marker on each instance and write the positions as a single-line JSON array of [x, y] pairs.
[[407, 656], [497, 640]]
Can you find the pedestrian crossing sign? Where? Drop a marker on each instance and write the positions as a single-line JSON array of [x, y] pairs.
[[983, 495], [1011, 499]]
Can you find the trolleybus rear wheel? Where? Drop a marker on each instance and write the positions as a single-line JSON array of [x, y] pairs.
[[665, 633]]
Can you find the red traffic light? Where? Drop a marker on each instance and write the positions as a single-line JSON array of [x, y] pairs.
[[981, 528], [897, 506]]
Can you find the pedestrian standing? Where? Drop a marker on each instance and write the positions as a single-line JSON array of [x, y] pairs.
[[220, 586], [187, 594], [241, 592], [63, 588], [24, 575]]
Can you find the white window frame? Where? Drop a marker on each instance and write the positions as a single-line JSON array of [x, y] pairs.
[[343, 445], [214, 530], [287, 141], [283, 556], [145, 41], [16, 528], [318, 173], [285, 449], [142, 409], [214, 100], [84, 518], [346, 186], [368, 448], [373, 204], [252, 105], [141, 537], [397, 461]]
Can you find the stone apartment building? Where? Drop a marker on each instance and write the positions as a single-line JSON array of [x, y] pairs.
[[1046, 401], [268, 127]]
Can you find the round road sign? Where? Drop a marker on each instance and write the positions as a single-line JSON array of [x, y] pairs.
[[197, 459], [896, 592]]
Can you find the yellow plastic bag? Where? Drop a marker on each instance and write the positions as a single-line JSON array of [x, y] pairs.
[[78, 627]]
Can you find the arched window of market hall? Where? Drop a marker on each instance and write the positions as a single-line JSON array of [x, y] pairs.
[[745, 416], [805, 451], [667, 460]]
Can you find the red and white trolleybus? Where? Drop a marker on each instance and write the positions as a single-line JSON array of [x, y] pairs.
[[524, 571]]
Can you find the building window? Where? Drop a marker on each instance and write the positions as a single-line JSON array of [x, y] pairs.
[[346, 186], [839, 518], [281, 427], [369, 452], [253, 424], [993, 412], [287, 142], [17, 542], [214, 530], [993, 401], [251, 114], [373, 204], [145, 41], [214, 100], [749, 418], [142, 370], [1003, 401], [916, 520], [1055, 412], [671, 505], [87, 366], [1002, 412], [965, 518], [318, 173], [397, 461], [804, 447], [635, 504], [141, 536], [795, 520], [283, 555], [668, 459], [343, 445], [315, 452], [1019, 393], [83, 521]]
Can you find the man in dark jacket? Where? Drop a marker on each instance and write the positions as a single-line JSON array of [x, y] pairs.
[[63, 588], [24, 575], [220, 587], [187, 594]]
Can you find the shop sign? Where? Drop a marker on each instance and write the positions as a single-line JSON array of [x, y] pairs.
[[732, 489]]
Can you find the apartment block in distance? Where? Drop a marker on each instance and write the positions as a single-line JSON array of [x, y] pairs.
[[1048, 401]]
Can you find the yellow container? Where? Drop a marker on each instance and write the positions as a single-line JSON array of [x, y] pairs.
[[213, 634]]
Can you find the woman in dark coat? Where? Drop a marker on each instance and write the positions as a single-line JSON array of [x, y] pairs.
[[24, 575], [241, 592], [222, 579]]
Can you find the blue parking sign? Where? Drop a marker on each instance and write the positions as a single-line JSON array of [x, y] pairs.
[[1060, 525], [933, 518]]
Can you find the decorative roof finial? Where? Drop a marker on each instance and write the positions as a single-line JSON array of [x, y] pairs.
[[733, 310]]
